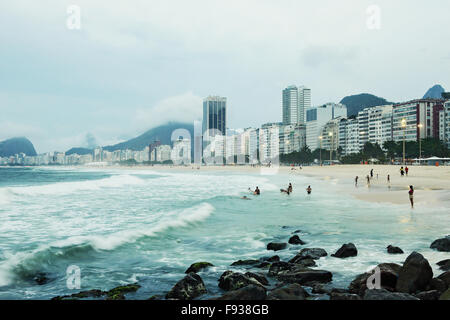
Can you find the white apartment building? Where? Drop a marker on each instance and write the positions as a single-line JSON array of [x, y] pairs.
[[380, 124], [269, 145], [349, 136], [295, 100]]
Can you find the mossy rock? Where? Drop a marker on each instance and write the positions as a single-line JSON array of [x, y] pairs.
[[196, 267], [118, 293], [445, 295]]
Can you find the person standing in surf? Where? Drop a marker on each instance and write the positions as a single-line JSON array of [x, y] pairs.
[[308, 190], [411, 196]]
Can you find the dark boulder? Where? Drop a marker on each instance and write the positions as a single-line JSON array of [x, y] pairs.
[[444, 265], [263, 265], [382, 294], [445, 277], [230, 280], [245, 262], [196, 267], [304, 275], [250, 292], [188, 288], [388, 278], [271, 259], [296, 240], [95, 293], [441, 244], [320, 288], [437, 284], [414, 275], [279, 266], [313, 253], [347, 250], [292, 291], [258, 277], [394, 250], [344, 296], [276, 246], [428, 295]]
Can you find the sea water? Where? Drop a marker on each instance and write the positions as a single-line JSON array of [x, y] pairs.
[[125, 226]]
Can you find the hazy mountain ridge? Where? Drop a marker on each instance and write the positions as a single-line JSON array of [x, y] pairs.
[[434, 92], [13, 146], [356, 103]]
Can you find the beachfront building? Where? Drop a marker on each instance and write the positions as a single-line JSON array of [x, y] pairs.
[[292, 138], [348, 135], [330, 134], [295, 100], [446, 123], [317, 117], [214, 126], [380, 124], [416, 118], [269, 144], [253, 146]]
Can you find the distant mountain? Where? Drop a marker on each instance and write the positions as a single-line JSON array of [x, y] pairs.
[[162, 133], [434, 92], [14, 146], [79, 151], [358, 102]]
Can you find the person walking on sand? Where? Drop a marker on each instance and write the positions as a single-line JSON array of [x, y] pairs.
[[368, 180], [406, 170], [356, 181], [411, 196], [389, 181], [371, 173], [402, 172], [308, 190]]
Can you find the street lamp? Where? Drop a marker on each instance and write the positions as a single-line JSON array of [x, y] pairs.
[[331, 146], [320, 151], [404, 136], [420, 126]]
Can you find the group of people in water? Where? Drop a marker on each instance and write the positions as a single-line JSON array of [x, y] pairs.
[[288, 191]]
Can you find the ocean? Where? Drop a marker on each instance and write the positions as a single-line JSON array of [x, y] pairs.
[[122, 226]]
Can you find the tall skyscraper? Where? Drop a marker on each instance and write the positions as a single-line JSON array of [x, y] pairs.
[[295, 101], [214, 124]]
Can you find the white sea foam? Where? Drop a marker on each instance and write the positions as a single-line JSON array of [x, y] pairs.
[[5, 196], [61, 188]]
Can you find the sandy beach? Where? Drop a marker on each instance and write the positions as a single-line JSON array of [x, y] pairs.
[[431, 184]]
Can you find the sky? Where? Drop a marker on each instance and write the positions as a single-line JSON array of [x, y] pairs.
[[137, 64]]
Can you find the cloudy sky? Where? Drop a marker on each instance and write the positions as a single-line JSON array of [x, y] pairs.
[[137, 64]]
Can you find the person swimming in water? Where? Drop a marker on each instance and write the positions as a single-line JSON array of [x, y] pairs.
[[308, 190], [245, 198], [257, 191], [290, 187]]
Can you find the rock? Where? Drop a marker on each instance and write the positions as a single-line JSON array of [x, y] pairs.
[[296, 240], [245, 262], [118, 293], [279, 266], [415, 274], [445, 277], [292, 291], [428, 295], [263, 265], [347, 250], [344, 296], [388, 279], [258, 277], [188, 288], [445, 295], [303, 261], [276, 246], [382, 294], [444, 265], [441, 244], [320, 288], [313, 253], [303, 276], [83, 294], [437, 284], [230, 280], [155, 297], [196, 267], [250, 292], [270, 259], [394, 250]]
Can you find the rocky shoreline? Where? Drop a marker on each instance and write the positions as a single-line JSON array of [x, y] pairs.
[[297, 279]]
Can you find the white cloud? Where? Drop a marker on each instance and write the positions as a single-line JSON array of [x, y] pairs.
[[186, 107]]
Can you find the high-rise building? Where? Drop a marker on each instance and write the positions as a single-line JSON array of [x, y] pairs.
[[214, 125], [295, 101], [446, 123], [380, 124]]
